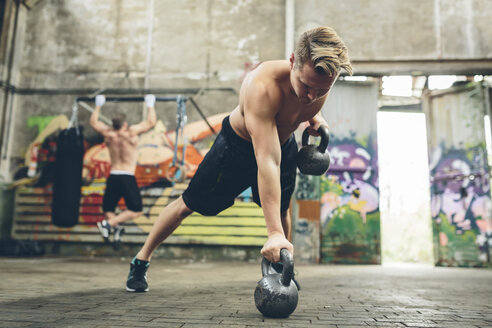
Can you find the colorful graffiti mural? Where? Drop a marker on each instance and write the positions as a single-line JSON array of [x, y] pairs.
[[460, 204], [460, 175], [155, 153], [243, 224], [350, 220], [155, 150]]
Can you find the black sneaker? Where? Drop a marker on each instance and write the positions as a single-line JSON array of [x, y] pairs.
[[137, 278], [278, 268], [118, 232], [105, 229]]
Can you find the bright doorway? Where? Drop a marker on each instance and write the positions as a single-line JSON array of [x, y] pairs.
[[406, 228]]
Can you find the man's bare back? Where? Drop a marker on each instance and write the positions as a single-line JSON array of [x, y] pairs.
[[122, 146], [122, 141]]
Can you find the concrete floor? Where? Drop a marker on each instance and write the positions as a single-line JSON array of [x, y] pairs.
[[89, 292]]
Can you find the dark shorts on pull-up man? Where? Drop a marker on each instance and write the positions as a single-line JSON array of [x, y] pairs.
[[121, 140], [256, 146]]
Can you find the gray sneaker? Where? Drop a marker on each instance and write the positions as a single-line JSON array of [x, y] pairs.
[[105, 229], [118, 232]]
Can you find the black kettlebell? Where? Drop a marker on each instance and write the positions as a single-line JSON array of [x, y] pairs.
[[314, 160], [276, 294]]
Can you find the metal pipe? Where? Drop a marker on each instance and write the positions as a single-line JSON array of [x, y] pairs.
[[125, 99], [148, 60], [458, 176], [289, 27], [201, 114], [75, 92], [90, 109], [8, 101]]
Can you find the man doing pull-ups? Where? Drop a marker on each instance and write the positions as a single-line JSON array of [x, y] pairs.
[[121, 140]]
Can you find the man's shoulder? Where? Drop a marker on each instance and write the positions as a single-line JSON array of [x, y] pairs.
[[110, 135], [276, 62], [273, 68], [135, 130], [269, 76]]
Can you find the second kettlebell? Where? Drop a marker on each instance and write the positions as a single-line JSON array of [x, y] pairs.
[[312, 159]]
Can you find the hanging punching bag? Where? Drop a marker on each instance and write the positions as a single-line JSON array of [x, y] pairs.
[[68, 177]]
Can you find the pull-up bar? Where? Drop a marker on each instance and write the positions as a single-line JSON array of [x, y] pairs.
[[142, 99], [127, 99]]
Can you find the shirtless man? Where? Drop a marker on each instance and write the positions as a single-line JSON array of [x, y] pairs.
[[256, 146], [121, 140]]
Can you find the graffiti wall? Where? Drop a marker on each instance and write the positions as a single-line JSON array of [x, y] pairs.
[[350, 203], [348, 194], [160, 182], [156, 151], [460, 179]]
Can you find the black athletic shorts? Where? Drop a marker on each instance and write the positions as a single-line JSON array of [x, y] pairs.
[[122, 185], [229, 168]]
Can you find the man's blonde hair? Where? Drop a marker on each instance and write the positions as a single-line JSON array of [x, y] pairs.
[[324, 49]]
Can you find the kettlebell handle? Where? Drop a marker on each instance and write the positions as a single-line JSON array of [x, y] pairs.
[[288, 267], [325, 138]]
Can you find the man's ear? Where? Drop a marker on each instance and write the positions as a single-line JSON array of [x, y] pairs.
[[292, 60]]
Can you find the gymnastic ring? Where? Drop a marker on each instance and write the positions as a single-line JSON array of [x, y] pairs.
[[173, 169]]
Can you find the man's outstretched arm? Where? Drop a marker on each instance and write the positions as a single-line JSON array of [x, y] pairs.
[[260, 122], [151, 119], [97, 125]]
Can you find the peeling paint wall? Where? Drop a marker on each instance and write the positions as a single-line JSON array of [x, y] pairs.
[[460, 176], [74, 48], [340, 210], [68, 48], [350, 190], [404, 30]]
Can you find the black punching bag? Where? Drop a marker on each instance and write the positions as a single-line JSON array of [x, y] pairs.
[[68, 177]]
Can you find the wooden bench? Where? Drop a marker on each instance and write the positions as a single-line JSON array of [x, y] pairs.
[[242, 224]]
